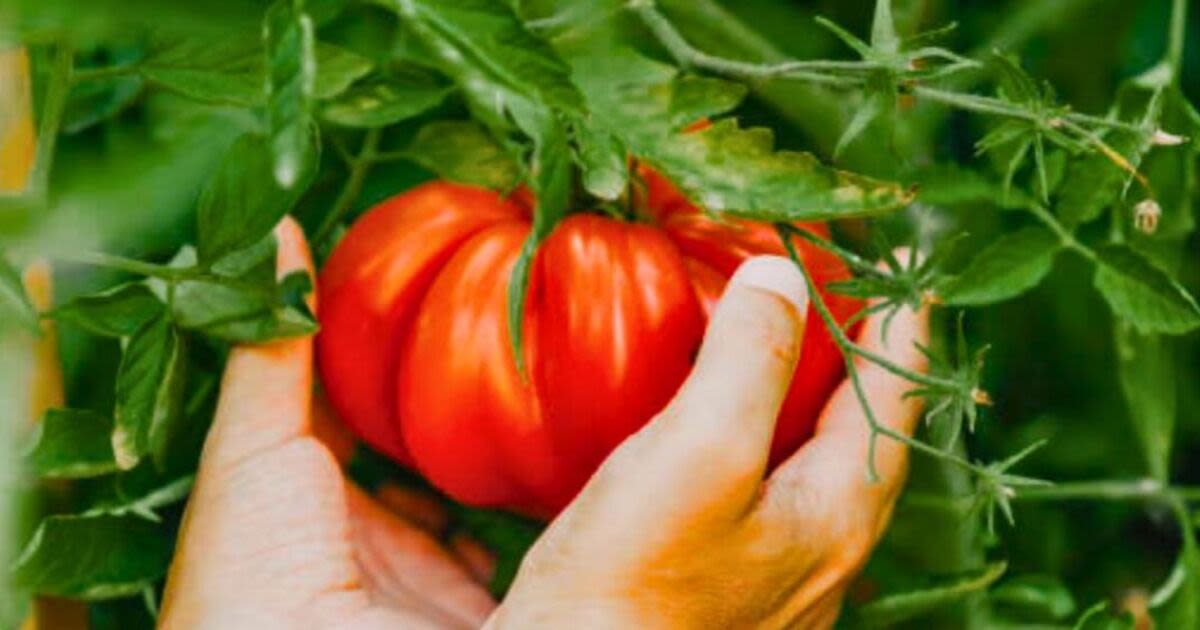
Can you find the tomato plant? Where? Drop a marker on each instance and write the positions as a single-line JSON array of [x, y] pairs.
[[1039, 154]]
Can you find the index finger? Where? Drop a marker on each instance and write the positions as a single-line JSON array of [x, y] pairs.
[[266, 390]]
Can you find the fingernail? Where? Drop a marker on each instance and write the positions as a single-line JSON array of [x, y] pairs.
[[776, 274]]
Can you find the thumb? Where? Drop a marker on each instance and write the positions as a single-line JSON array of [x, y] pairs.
[[712, 441]]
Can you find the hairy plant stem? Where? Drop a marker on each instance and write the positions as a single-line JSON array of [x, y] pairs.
[[53, 106], [849, 349], [359, 167], [822, 73]]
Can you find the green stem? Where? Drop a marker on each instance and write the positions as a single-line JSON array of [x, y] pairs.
[[121, 263], [849, 349], [688, 56], [53, 106], [1175, 39], [1110, 490], [839, 335], [92, 74], [359, 167]]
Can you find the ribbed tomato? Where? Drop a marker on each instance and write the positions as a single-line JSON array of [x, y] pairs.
[[414, 347]]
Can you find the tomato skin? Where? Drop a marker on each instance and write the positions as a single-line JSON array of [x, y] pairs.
[[415, 355]]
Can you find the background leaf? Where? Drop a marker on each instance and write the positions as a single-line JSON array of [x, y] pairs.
[[1013, 264], [93, 557], [72, 444], [1143, 294]]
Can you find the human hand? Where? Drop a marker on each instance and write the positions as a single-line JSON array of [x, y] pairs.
[[274, 535], [678, 529]]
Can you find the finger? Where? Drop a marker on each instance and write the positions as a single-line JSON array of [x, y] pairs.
[[416, 507], [479, 560], [710, 445], [405, 566], [267, 388], [832, 468]]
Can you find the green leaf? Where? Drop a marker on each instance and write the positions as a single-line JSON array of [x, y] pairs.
[[243, 202], [1146, 367], [337, 70], [93, 557], [462, 151], [146, 504], [952, 185], [1093, 183], [150, 382], [291, 73], [1144, 295], [693, 99], [238, 311], [227, 70], [72, 444], [117, 312], [231, 70], [14, 303], [1011, 265], [890, 610], [92, 102], [484, 46], [1042, 595], [722, 168], [386, 101], [602, 159]]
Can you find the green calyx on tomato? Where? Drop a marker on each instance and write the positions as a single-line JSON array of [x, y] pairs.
[[414, 347]]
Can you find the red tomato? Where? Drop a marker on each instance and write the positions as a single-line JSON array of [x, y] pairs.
[[414, 347]]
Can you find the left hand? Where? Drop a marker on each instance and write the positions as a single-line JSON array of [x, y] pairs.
[[275, 536]]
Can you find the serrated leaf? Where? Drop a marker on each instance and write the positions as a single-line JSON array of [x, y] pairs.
[[486, 48], [243, 202], [386, 101], [291, 73], [93, 557], [1142, 294], [150, 382], [14, 303], [72, 444], [116, 312], [462, 151], [722, 168], [693, 99], [1009, 266], [890, 610]]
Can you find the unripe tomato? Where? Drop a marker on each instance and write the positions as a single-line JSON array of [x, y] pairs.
[[414, 348]]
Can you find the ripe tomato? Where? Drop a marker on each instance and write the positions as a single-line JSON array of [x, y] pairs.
[[414, 346]]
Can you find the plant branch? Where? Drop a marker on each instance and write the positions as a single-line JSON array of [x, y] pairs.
[[848, 350], [53, 106], [82, 75], [359, 167]]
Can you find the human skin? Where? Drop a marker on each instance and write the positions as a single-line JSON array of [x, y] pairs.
[[677, 529]]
